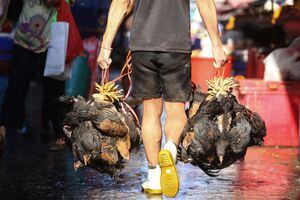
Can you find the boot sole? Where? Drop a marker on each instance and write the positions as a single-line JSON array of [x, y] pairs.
[[151, 191], [169, 178]]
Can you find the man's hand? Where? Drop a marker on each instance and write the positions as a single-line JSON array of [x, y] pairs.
[[104, 59], [207, 9], [219, 56], [117, 12]]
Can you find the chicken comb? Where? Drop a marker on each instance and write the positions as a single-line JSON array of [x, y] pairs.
[[220, 86], [108, 92]]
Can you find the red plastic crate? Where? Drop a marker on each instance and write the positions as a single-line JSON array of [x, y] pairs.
[[202, 69], [278, 104], [255, 65]]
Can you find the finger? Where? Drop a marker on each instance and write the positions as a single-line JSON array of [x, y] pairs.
[[103, 64], [107, 62], [99, 61], [217, 65], [220, 63], [225, 61]]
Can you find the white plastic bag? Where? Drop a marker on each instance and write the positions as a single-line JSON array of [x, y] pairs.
[[282, 64], [56, 55], [276, 64]]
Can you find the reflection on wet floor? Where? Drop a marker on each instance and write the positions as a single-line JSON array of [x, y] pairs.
[[35, 173]]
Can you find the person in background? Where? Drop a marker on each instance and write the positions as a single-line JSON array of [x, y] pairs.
[[29, 55], [3, 11], [161, 46], [195, 39]]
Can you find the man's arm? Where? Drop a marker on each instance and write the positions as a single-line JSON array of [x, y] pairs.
[[119, 9], [208, 13]]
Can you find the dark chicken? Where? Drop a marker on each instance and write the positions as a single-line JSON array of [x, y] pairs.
[[100, 134], [86, 143], [237, 138], [219, 132], [258, 128]]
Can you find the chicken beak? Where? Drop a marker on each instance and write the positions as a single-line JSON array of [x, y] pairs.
[[86, 158], [221, 158], [77, 165]]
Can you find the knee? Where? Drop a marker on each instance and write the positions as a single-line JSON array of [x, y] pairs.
[[152, 108], [153, 114], [175, 110]]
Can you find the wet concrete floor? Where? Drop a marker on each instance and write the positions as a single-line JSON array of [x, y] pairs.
[[33, 172]]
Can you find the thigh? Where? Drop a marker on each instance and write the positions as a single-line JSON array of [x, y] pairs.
[[53, 89], [175, 77], [146, 84], [23, 66], [21, 73], [41, 63]]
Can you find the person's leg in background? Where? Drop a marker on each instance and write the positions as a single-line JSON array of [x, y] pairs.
[[13, 107], [52, 90], [51, 108], [45, 134], [3, 86]]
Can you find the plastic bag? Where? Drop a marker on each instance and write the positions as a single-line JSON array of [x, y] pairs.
[[56, 55], [283, 64], [75, 46]]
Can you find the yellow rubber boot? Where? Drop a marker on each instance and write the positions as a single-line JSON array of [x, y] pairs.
[[169, 180]]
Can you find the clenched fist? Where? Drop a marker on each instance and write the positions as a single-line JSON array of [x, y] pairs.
[[219, 56], [104, 59]]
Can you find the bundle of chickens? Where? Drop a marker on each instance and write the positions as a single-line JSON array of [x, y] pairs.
[[219, 129], [100, 132]]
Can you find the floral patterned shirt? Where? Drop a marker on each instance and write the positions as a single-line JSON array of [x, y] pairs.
[[33, 28]]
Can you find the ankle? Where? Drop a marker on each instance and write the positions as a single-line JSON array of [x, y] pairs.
[[171, 146], [154, 173]]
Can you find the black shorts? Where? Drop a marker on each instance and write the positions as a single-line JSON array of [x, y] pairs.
[[162, 74]]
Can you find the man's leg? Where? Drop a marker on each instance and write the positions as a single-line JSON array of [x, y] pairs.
[[175, 121], [152, 135], [146, 85], [176, 87], [151, 129]]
